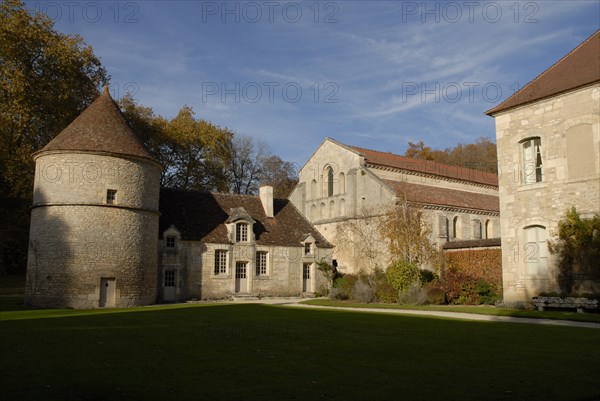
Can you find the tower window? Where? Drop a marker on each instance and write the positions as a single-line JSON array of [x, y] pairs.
[[531, 156], [111, 196]]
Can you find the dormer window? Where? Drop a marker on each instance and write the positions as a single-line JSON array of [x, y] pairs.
[[308, 248], [111, 196], [170, 242], [241, 232]]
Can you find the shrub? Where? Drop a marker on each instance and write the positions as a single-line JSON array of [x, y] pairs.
[[402, 275], [436, 296], [362, 291], [385, 293], [413, 295], [343, 285], [427, 276]]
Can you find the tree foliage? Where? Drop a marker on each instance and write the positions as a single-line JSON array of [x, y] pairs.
[[578, 251], [402, 274], [480, 155], [46, 79], [246, 164], [407, 234]]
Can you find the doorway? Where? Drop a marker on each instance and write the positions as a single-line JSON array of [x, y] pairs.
[[306, 277], [107, 293], [241, 281]]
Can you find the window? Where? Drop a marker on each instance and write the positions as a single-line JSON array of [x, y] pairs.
[[444, 227], [169, 278], [220, 262], [313, 189], [531, 159], [329, 181], [111, 196], [536, 250], [308, 248], [170, 242], [261, 263], [241, 232], [489, 229], [341, 183], [456, 228], [477, 229]]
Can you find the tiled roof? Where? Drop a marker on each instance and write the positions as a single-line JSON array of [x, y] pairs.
[[472, 243], [578, 68], [99, 128], [425, 166], [429, 195], [201, 216]]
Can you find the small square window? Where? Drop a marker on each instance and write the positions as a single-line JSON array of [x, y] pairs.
[[111, 196], [169, 278]]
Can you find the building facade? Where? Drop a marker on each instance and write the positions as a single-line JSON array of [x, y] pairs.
[[344, 188], [216, 246], [94, 237], [548, 142]]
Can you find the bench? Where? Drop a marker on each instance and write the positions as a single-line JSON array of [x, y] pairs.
[[578, 303]]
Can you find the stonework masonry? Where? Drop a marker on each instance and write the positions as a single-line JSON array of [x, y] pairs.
[[568, 129]]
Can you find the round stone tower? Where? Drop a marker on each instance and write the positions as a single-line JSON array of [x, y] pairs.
[[94, 220]]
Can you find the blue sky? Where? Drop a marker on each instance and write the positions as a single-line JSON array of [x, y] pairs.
[[374, 74]]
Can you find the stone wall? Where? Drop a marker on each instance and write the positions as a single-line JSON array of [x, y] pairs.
[[568, 128], [194, 263], [78, 238]]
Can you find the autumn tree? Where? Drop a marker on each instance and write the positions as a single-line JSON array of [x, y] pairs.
[[194, 152], [480, 155], [281, 175], [46, 79]]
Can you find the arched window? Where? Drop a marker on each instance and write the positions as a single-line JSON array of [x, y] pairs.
[[313, 189], [342, 207], [444, 227], [536, 249], [489, 229], [341, 183], [477, 229], [329, 173], [331, 213], [456, 228], [531, 160], [313, 212], [322, 211]]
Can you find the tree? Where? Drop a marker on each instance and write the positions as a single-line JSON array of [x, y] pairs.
[[407, 234], [281, 175], [46, 79], [578, 251], [480, 155], [246, 164], [360, 237], [194, 152]]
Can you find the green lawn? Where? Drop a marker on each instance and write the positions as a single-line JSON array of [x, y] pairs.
[[481, 310], [261, 352]]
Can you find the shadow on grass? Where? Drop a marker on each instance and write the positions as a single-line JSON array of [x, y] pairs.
[[263, 352]]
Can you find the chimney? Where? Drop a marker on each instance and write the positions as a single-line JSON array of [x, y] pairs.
[[266, 198]]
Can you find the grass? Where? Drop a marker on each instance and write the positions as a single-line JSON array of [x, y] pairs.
[[482, 310], [262, 352]]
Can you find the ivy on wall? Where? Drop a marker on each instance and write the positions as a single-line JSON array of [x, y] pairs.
[[472, 276]]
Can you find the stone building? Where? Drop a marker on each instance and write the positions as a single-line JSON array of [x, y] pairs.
[[221, 245], [94, 238], [342, 186], [94, 219], [548, 141]]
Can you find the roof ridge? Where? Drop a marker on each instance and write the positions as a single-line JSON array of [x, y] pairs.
[[425, 161], [499, 107]]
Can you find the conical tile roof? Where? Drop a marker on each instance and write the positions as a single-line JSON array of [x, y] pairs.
[[99, 128]]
